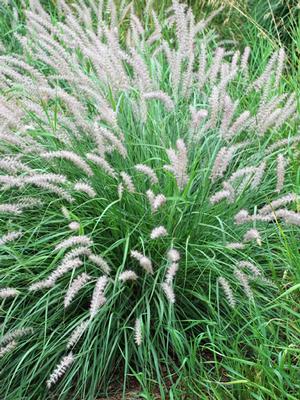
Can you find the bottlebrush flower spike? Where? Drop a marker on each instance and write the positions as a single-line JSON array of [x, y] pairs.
[[103, 164], [8, 292], [71, 156], [127, 181], [85, 188], [155, 201], [163, 97], [74, 241], [74, 226], [9, 237], [77, 333], [228, 291], [144, 261], [281, 164], [158, 232], [244, 281], [282, 201], [60, 369], [77, 252], [171, 272], [98, 298], [128, 275], [179, 163], [222, 161], [10, 208], [169, 292], [8, 348], [98, 260], [173, 255], [197, 118], [252, 234], [147, 171], [16, 334], [74, 288], [138, 336]]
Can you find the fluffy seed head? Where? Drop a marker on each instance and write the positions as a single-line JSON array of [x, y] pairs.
[[128, 275], [158, 232], [138, 337]]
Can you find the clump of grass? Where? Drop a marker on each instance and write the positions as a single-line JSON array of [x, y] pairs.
[[143, 180]]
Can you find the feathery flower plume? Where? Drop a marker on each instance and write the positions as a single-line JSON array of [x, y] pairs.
[[222, 194], [120, 190], [77, 333], [16, 334], [74, 288], [100, 262], [13, 165], [138, 337], [281, 163], [228, 291], [246, 264], [74, 241], [144, 261], [244, 59], [70, 156], [155, 201], [215, 68], [163, 97], [74, 226], [98, 298], [8, 348], [8, 292], [246, 171], [65, 212], [244, 281], [146, 264], [197, 117], [214, 105], [9, 237], [283, 142], [75, 253], [265, 76], [289, 217], [282, 201], [43, 284], [128, 275], [60, 369], [169, 292], [173, 255], [179, 161], [128, 183], [222, 161], [241, 123], [10, 208], [115, 142], [158, 232], [257, 178], [64, 267], [252, 234], [171, 272], [29, 202], [86, 188], [242, 217], [147, 171], [103, 164]]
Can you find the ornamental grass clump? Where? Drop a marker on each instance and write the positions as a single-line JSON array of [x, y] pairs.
[[135, 172]]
